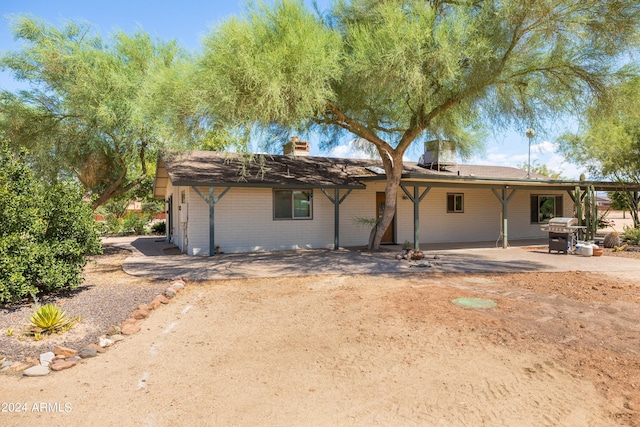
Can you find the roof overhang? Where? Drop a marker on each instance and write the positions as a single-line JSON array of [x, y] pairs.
[[529, 184]]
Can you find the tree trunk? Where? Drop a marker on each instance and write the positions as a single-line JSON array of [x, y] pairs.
[[393, 169]]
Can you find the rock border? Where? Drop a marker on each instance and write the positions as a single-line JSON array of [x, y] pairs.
[[61, 358]]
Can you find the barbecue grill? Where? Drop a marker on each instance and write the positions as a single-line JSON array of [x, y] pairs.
[[562, 233]]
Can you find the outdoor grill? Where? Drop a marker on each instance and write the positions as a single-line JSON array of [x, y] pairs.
[[562, 233]]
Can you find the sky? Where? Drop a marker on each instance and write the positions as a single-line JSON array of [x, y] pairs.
[[187, 21]]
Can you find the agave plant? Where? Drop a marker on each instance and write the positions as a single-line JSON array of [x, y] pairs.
[[50, 318]]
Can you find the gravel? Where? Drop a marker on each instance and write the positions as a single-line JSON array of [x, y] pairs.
[[107, 297]]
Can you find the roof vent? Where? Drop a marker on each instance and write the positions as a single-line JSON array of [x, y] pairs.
[[438, 154], [295, 147]]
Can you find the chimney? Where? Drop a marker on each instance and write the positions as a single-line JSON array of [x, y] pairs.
[[295, 147]]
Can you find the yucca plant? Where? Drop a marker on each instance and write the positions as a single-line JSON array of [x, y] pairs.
[[49, 318]]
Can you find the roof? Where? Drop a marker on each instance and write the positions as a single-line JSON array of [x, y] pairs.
[[209, 168]]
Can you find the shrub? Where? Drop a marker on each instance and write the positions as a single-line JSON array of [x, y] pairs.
[[632, 235], [45, 234], [159, 227], [134, 223]]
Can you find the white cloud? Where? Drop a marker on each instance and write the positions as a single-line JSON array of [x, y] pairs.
[[545, 147], [348, 151]]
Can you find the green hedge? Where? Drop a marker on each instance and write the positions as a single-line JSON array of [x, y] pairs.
[[45, 232]]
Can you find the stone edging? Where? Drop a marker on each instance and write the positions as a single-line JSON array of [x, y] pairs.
[[61, 358]]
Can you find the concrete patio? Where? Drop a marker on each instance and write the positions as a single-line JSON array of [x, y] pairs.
[[153, 257]]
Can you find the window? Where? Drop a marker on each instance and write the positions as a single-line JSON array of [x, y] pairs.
[[545, 207], [455, 202], [292, 204]]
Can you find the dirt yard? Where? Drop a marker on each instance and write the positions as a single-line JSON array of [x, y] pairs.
[[559, 349]]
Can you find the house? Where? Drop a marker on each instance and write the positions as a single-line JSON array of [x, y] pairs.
[[222, 202]]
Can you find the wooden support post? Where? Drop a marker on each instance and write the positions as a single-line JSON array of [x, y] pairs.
[[337, 201], [504, 200], [211, 201], [416, 198]]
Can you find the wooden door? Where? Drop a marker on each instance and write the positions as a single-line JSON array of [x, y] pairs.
[[388, 236]]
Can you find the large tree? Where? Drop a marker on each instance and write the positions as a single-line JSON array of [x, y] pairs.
[[608, 144], [95, 109], [397, 72]]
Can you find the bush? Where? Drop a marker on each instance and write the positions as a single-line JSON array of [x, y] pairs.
[[135, 223], [632, 235], [45, 234], [159, 227]]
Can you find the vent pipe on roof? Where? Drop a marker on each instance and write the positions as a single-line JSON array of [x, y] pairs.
[[295, 147]]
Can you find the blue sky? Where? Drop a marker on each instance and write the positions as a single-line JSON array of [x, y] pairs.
[[188, 21]]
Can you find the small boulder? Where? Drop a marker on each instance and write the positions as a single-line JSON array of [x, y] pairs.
[[36, 371], [162, 299], [129, 321], [130, 329], [97, 348], [154, 304], [170, 293], [19, 367], [47, 358], [113, 330], [117, 337], [88, 352], [105, 342], [65, 351], [140, 314], [63, 364], [177, 285]]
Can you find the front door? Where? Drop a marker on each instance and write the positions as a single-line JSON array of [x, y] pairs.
[[388, 236]]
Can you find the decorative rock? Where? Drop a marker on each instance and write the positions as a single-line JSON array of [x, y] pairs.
[[6, 364], [140, 314], [177, 285], [47, 358], [170, 293], [130, 329], [162, 299], [32, 361], [19, 366], [72, 359], [88, 352], [113, 330], [130, 320], [36, 371], [117, 337], [97, 348], [154, 304], [64, 364], [64, 351], [105, 342]]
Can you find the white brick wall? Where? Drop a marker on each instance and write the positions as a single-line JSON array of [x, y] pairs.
[[244, 219]]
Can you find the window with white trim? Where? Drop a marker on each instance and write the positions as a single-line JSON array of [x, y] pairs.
[[292, 204]]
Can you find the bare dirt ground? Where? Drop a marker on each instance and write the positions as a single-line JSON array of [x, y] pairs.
[[559, 349]]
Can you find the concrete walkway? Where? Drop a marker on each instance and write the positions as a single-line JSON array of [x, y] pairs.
[[152, 257]]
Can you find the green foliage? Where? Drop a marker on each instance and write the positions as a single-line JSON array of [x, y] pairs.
[[541, 170], [609, 143], [398, 72], [632, 235], [46, 232], [620, 201], [48, 319], [95, 109], [159, 227], [135, 223]]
